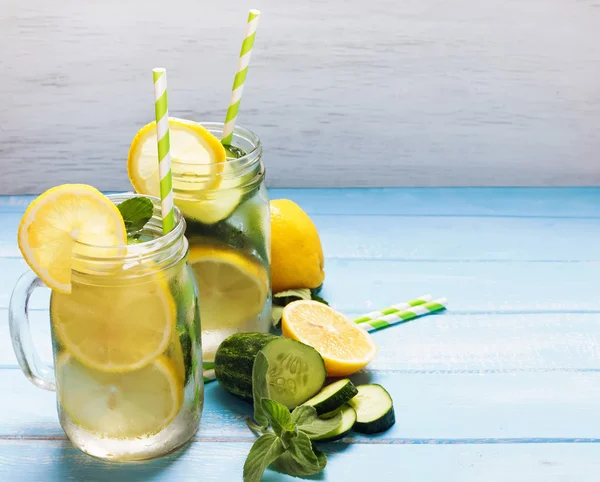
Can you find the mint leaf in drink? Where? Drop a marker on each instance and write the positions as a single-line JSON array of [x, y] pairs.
[[286, 297], [306, 420], [264, 452], [136, 212], [278, 415], [260, 389]]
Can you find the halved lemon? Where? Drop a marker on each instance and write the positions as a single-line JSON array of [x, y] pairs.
[[115, 328], [119, 405], [60, 217], [196, 158], [344, 346], [233, 288]]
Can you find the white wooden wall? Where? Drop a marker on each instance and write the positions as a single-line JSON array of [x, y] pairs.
[[342, 92]]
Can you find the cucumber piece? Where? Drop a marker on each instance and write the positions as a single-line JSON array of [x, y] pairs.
[[348, 421], [333, 396], [296, 371], [374, 409], [234, 360]]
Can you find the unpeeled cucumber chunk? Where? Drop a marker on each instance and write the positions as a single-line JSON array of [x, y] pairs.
[[296, 371]]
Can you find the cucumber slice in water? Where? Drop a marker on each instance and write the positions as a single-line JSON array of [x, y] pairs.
[[333, 396], [296, 371], [374, 409], [348, 421]]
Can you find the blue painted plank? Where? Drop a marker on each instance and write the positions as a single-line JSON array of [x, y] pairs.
[[447, 405], [447, 201], [440, 343], [358, 286], [57, 461], [417, 238], [443, 201], [455, 238]]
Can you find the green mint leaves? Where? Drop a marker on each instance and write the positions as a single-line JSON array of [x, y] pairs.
[[260, 390], [283, 298], [264, 452], [307, 421], [136, 212], [288, 444]]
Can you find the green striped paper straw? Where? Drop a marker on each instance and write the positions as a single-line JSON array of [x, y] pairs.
[[240, 77], [414, 309], [161, 107], [374, 315], [403, 316]]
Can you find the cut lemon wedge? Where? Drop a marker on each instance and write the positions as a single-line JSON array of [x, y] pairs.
[[124, 405], [196, 158], [60, 217], [233, 288], [115, 328], [344, 346]]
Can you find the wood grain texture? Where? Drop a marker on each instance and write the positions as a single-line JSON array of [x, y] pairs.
[[431, 92], [57, 461], [503, 386], [429, 405], [437, 344]]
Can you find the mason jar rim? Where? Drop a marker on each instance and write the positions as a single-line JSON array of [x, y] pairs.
[[240, 131], [144, 249], [246, 169]]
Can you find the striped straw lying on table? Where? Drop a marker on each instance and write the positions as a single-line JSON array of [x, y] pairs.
[[377, 320]]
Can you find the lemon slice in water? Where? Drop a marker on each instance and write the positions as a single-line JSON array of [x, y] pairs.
[[116, 327], [119, 405], [233, 288]]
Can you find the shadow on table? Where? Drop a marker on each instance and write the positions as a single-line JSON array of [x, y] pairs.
[[75, 465]]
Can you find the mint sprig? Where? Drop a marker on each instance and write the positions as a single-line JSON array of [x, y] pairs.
[[260, 389], [136, 212], [287, 444]]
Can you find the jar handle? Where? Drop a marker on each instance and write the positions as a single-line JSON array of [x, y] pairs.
[[29, 361]]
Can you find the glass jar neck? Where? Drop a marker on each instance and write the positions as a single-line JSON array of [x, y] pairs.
[[139, 258], [243, 169]]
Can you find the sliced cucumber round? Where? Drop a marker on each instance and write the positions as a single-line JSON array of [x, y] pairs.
[[374, 409], [296, 371], [332, 396], [348, 421]]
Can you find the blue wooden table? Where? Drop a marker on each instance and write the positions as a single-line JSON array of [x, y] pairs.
[[504, 386]]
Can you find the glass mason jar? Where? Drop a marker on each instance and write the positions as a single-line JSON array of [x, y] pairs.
[[126, 345], [228, 228]]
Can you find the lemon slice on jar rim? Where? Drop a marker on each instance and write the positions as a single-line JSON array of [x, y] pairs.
[[66, 220], [197, 158]]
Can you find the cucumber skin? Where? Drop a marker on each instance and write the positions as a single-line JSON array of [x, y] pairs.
[[333, 403], [234, 360], [380, 425], [341, 434]]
